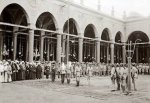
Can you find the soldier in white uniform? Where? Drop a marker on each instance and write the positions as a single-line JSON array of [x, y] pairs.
[[134, 76], [77, 73], [113, 76], [123, 77]]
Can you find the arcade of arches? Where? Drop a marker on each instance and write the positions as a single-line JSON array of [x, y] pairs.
[[28, 44]]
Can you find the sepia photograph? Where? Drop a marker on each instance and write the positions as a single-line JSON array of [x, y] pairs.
[[74, 51]]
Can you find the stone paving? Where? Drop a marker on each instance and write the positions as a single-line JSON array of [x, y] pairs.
[[98, 91]]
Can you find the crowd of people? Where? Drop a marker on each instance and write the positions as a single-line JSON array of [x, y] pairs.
[[20, 70]]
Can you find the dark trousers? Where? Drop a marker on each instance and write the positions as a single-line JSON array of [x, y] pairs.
[[47, 76], [118, 83], [62, 78]]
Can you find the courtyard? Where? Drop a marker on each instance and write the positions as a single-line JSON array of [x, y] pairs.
[[98, 91]]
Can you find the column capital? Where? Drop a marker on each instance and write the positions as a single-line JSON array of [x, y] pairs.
[[31, 26]]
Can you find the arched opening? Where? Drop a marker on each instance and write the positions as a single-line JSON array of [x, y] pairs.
[[14, 39], [118, 49], [45, 21], [105, 47], [70, 43], [89, 46], [141, 51]]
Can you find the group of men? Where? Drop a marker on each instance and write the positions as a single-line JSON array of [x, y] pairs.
[[20, 70], [120, 76]]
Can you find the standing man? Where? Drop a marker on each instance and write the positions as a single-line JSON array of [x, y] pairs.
[[39, 71], [63, 72], [1, 72], [47, 71], [78, 74], [117, 70], [53, 72], [68, 72], [134, 76], [113, 76]]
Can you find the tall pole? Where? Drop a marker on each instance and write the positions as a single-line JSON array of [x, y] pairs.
[[129, 66]]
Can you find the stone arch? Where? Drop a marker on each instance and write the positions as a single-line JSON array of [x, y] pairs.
[[15, 5], [73, 27], [105, 34], [118, 37], [141, 52], [46, 20], [90, 29], [15, 43], [118, 57], [138, 35]]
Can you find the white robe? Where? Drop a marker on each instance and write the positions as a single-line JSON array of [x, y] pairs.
[[1, 73]]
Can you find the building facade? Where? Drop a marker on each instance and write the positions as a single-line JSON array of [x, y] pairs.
[[57, 30]]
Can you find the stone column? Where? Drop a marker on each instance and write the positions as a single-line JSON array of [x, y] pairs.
[[42, 45], [67, 50], [14, 42], [1, 44], [58, 49], [64, 47], [27, 50], [31, 43], [124, 53], [80, 58], [107, 50], [98, 51], [112, 53]]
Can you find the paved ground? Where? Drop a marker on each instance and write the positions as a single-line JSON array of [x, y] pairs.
[[44, 91]]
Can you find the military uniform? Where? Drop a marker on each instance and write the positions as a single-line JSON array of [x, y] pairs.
[[63, 72]]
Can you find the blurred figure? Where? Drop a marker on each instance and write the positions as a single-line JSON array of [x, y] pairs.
[[63, 72], [47, 71], [53, 72], [68, 72], [78, 74], [134, 76], [39, 71], [113, 76], [1, 72]]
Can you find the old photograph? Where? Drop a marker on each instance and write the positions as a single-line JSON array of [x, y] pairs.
[[74, 51]]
